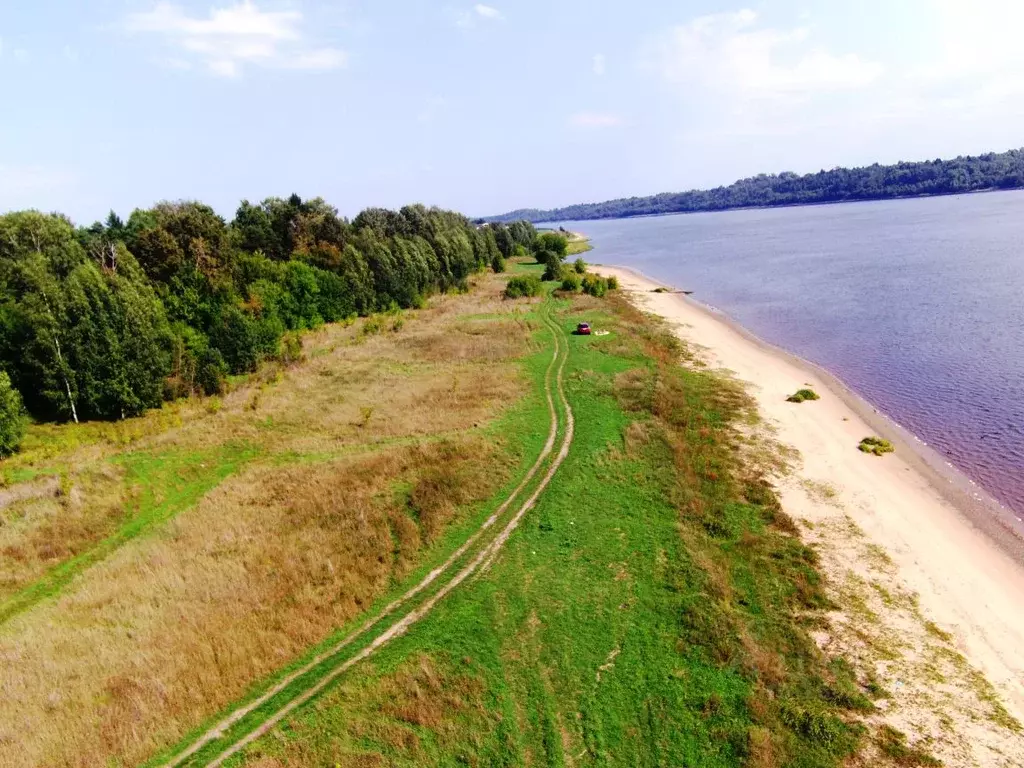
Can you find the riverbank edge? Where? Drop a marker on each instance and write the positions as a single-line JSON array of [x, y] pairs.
[[973, 504], [814, 204]]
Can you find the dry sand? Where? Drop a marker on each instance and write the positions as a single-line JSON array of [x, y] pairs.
[[931, 585]]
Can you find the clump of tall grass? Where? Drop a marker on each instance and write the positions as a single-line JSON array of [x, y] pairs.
[[893, 744], [876, 445], [802, 394]]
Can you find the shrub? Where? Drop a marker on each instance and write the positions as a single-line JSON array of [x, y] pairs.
[[802, 394], [291, 348], [498, 263], [594, 285], [210, 371], [12, 416], [374, 324], [571, 282], [613, 283], [876, 445], [523, 285], [580, 266]]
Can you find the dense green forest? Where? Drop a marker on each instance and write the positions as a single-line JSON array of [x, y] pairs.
[[875, 182], [103, 322]]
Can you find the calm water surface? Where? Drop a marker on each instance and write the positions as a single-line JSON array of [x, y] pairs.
[[918, 305]]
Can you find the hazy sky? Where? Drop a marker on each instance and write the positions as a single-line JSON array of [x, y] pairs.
[[484, 107]]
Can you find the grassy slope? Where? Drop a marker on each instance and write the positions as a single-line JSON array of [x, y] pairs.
[[165, 472], [166, 483], [527, 423], [651, 610]]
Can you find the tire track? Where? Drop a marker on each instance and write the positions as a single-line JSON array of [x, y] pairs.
[[489, 552]]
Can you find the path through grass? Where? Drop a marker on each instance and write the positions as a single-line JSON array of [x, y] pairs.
[[653, 609], [248, 722]]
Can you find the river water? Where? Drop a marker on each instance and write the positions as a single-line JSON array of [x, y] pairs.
[[918, 305]]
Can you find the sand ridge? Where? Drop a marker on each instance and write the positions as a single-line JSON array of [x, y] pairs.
[[931, 604]]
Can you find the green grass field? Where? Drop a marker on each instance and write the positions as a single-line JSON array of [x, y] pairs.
[[652, 610]]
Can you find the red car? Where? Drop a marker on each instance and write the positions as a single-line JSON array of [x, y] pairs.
[[583, 329]]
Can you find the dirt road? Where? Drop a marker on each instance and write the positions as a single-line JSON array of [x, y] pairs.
[[553, 384]]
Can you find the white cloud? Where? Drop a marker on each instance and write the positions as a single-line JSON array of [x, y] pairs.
[[234, 36], [598, 64], [729, 52], [469, 18], [595, 120], [487, 11]]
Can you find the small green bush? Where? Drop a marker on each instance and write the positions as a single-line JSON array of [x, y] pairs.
[[580, 266], [12, 416], [522, 286], [876, 445], [211, 371], [291, 348], [613, 283], [374, 324], [594, 285], [498, 263], [803, 394], [571, 282], [554, 269]]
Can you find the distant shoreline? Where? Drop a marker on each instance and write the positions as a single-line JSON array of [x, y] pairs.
[[816, 204], [976, 506]]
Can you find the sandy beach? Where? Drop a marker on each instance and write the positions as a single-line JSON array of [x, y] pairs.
[[930, 583]]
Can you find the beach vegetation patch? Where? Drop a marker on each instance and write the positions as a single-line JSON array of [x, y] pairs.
[[876, 445], [580, 266], [893, 744], [594, 285], [803, 394]]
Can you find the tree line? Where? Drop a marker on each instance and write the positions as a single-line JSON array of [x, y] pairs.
[[876, 182], [105, 321]]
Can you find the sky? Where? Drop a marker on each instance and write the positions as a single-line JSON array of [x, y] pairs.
[[117, 104]]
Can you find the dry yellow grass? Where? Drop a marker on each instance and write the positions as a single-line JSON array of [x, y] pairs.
[[52, 524], [366, 453]]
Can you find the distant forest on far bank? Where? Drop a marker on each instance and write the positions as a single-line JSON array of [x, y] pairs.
[[875, 182]]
